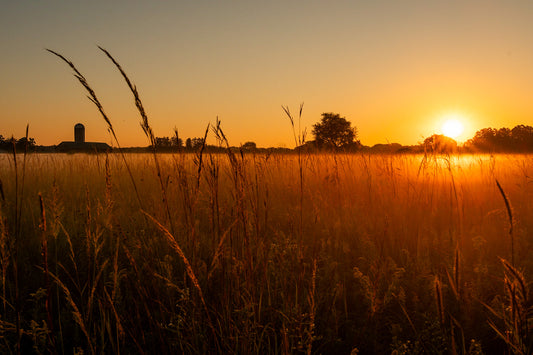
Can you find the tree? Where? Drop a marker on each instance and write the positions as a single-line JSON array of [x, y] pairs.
[[484, 139], [176, 142], [523, 137], [334, 131], [518, 139], [439, 143], [162, 142], [196, 143], [4, 143], [249, 146]]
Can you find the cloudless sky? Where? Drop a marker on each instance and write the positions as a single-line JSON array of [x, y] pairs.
[[393, 68]]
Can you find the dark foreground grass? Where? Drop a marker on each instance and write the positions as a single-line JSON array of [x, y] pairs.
[[263, 253], [387, 258]]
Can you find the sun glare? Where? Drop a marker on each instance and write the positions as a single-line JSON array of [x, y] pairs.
[[452, 126]]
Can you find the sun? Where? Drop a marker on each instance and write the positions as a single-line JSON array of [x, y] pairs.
[[453, 125]]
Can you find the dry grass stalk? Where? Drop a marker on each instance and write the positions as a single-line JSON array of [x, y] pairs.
[[312, 311], [510, 216], [5, 256], [147, 130], [15, 251], [299, 140], [439, 300], [219, 251], [94, 99], [516, 314], [78, 318], [199, 156], [190, 272], [174, 244], [108, 186], [44, 251], [2, 191]]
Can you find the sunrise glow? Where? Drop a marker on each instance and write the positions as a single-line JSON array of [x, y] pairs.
[[453, 125]]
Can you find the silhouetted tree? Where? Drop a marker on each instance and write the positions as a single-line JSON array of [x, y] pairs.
[[334, 131], [162, 142], [523, 137], [188, 143], [20, 144], [439, 143], [25, 143], [3, 143], [176, 142], [484, 139], [249, 146], [197, 143], [518, 139], [504, 141]]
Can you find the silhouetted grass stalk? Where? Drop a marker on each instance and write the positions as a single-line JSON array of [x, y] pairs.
[[16, 251], [299, 140], [147, 130], [190, 272], [510, 216], [516, 313], [44, 252], [94, 99]]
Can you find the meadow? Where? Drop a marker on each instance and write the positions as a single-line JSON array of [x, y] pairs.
[[265, 253]]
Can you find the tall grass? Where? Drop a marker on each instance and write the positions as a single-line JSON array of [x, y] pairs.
[[367, 273], [264, 253]]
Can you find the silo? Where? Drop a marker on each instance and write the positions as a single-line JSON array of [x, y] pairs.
[[79, 133]]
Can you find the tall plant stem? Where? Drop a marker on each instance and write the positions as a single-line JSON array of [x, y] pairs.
[[94, 99], [299, 140], [510, 216], [147, 130]]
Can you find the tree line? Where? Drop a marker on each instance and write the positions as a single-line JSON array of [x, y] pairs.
[[517, 139], [335, 133], [20, 144], [504, 140]]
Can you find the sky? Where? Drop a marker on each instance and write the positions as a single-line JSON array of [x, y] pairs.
[[393, 68]]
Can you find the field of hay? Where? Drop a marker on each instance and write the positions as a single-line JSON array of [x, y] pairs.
[[265, 253]]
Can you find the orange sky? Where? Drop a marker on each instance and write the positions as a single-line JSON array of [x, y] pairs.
[[392, 68]]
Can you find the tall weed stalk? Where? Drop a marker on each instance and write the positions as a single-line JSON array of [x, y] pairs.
[[94, 99], [148, 131]]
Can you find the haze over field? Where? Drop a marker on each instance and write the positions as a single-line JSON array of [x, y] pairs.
[[394, 69]]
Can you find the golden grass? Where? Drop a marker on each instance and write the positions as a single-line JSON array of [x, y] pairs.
[[264, 253], [392, 252]]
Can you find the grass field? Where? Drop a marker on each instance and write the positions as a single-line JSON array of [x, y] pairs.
[[249, 253]]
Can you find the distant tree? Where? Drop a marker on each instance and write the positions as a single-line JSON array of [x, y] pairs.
[[162, 142], [249, 146], [386, 148], [439, 143], [520, 138], [20, 144], [523, 137], [25, 143], [188, 143], [484, 139], [334, 131], [197, 143], [176, 142], [504, 141], [4, 144]]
